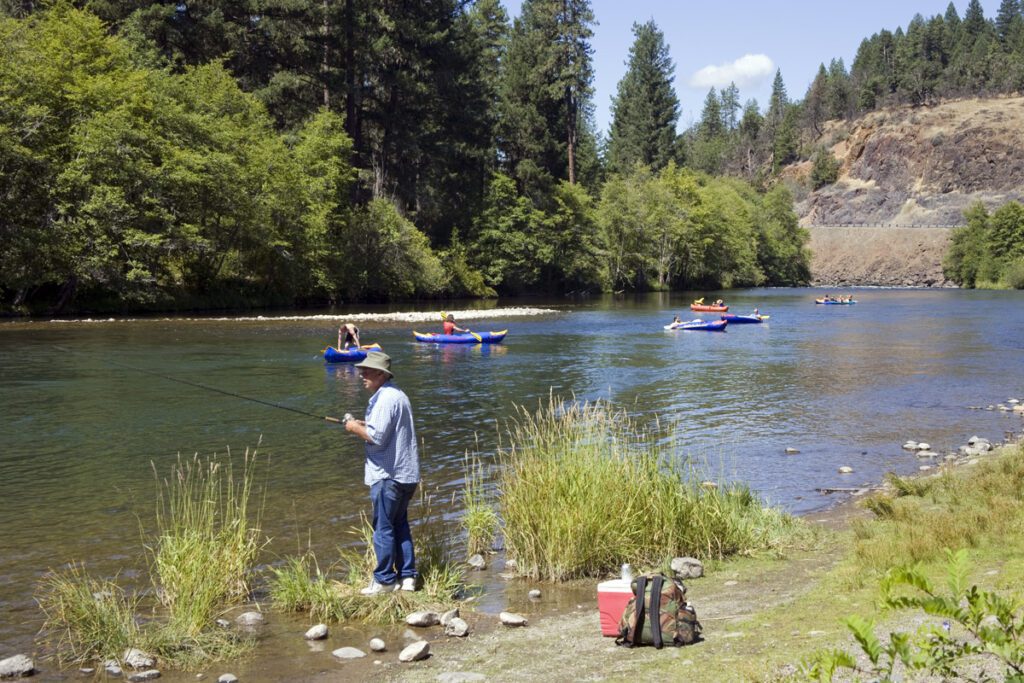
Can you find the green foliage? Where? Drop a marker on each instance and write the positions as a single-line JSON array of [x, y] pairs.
[[583, 488], [387, 256], [207, 541], [479, 519], [645, 108], [987, 625], [825, 169], [85, 618], [988, 251]]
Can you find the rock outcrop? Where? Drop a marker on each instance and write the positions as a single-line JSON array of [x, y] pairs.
[[910, 168]]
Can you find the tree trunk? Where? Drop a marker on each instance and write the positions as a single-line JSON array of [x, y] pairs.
[[325, 32]]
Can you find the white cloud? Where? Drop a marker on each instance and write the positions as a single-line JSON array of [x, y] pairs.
[[747, 71]]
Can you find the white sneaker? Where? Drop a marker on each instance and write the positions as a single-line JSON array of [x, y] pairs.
[[375, 588], [409, 583]]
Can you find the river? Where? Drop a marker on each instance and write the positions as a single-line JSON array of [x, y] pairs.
[[82, 434]]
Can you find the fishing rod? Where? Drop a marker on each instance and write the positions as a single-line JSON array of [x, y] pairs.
[[198, 385]]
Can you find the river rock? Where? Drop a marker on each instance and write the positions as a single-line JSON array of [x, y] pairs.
[[922, 446], [135, 658], [17, 666], [709, 484], [924, 468], [460, 677], [510, 563], [423, 618], [534, 594], [1019, 408], [792, 451], [377, 645], [227, 678], [112, 668], [249, 619], [318, 632], [449, 615], [457, 627], [512, 619], [223, 623], [845, 469], [910, 446], [147, 675], [477, 561], [415, 652], [1014, 401], [348, 653], [927, 454], [980, 443], [687, 567]]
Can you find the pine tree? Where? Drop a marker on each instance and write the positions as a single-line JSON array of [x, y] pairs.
[[814, 100], [645, 108], [1008, 20], [730, 100], [838, 90], [546, 91]]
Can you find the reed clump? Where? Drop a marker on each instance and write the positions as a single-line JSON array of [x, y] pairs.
[[208, 538], [202, 557], [86, 618], [479, 518], [583, 488], [299, 585], [919, 519]]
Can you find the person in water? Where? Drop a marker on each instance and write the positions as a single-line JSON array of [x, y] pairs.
[[349, 335], [451, 328], [391, 470]]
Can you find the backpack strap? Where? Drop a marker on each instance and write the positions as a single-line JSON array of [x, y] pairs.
[[656, 584], [638, 628]]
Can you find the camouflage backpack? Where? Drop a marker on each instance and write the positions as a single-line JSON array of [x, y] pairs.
[[658, 614]]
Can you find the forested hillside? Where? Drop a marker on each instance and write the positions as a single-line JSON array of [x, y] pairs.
[[196, 154]]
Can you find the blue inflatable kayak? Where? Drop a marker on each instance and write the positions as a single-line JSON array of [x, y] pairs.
[[735, 319], [480, 338], [349, 355], [706, 325]]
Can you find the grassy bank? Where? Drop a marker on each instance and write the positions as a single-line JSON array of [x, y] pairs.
[[765, 616]]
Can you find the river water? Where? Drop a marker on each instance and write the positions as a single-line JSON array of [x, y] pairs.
[[81, 434]]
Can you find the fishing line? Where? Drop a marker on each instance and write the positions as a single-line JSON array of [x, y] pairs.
[[209, 388]]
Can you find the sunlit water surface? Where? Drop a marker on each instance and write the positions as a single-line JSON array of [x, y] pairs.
[[83, 437]]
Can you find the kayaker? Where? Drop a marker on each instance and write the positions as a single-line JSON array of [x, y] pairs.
[[351, 336], [719, 302], [451, 328], [391, 470]]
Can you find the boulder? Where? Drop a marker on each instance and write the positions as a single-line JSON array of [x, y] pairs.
[[112, 668], [792, 451], [845, 469], [910, 446], [318, 632], [457, 627], [922, 446], [227, 678], [449, 615], [135, 658], [512, 619], [348, 653], [17, 666], [687, 567], [249, 619], [415, 652], [423, 618], [377, 645], [147, 675], [534, 594], [477, 562]]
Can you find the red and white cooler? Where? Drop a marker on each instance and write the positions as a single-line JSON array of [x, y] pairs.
[[612, 597]]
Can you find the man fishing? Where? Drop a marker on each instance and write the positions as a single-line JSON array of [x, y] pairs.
[[392, 471]]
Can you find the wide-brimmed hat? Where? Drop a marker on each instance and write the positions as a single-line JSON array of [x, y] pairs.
[[377, 360]]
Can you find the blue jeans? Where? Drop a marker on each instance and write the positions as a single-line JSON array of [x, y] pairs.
[[392, 538]]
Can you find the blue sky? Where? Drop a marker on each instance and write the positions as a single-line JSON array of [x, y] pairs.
[[743, 39]]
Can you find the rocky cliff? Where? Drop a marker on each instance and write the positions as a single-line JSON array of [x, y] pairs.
[[911, 167]]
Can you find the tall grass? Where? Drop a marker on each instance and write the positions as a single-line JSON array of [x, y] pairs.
[[300, 585], [583, 489], [208, 537], [86, 618], [961, 508], [479, 518]]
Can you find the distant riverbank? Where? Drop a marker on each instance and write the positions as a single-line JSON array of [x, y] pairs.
[[878, 256]]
